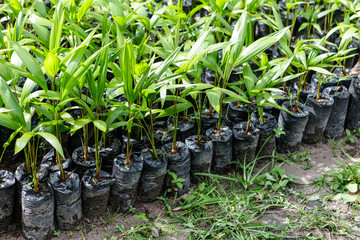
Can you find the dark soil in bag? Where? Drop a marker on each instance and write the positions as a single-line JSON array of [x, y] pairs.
[[209, 120], [109, 153], [152, 176], [266, 145], [49, 162], [222, 155], [162, 133], [136, 145], [23, 178], [178, 163], [37, 212], [293, 125], [7, 197], [201, 156], [68, 204], [353, 114], [80, 165], [126, 180], [95, 193], [235, 114], [336, 122], [186, 128], [310, 89], [318, 118], [245, 143]]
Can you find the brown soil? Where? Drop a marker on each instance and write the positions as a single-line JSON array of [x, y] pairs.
[[322, 100]]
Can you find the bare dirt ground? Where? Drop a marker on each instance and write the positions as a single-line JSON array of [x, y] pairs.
[[322, 157]]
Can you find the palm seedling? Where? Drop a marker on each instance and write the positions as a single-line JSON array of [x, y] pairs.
[[19, 119], [236, 54]]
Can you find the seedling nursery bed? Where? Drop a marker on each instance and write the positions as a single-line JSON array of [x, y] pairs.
[[129, 119]]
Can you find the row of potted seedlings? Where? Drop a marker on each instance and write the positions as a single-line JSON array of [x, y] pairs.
[[144, 177], [136, 100]]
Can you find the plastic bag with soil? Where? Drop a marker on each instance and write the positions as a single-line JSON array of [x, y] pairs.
[[80, 165], [152, 176], [126, 180], [162, 133], [23, 178], [311, 89], [49, 162], [109, 153], [266, 145], [68, 204], [245, 143], [235, 113], [95, 193], [209, 119], [37, 212], [136, 145], [7, 196], [336, 122], [318, 118], [222, 143], [293, 125], [201, 156], [353, 115], [186, 128], [178, 163]]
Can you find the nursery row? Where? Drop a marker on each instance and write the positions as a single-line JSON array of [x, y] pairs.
[[104, 103]]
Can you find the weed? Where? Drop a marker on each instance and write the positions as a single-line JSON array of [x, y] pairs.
[[56, 234], [352, 135], [301, 157]]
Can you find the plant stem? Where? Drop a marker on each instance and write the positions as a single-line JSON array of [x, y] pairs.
[[152, 134], [249, 115], [176, 120]]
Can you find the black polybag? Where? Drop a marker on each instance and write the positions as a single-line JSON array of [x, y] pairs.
[[336, 122], [162, 133], [245, 143], [235, 114], [201, 156], [37, 212], [293, 125], [126, 180], [23, 178], [266, 144], [186, 129], [95, 193], [178, 163], [81, 166], [7, 196], [209, 120], [68, 204], [222, 155], [49, 162], [353, 114], [109, 153], [152, 176], [318, 118]]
